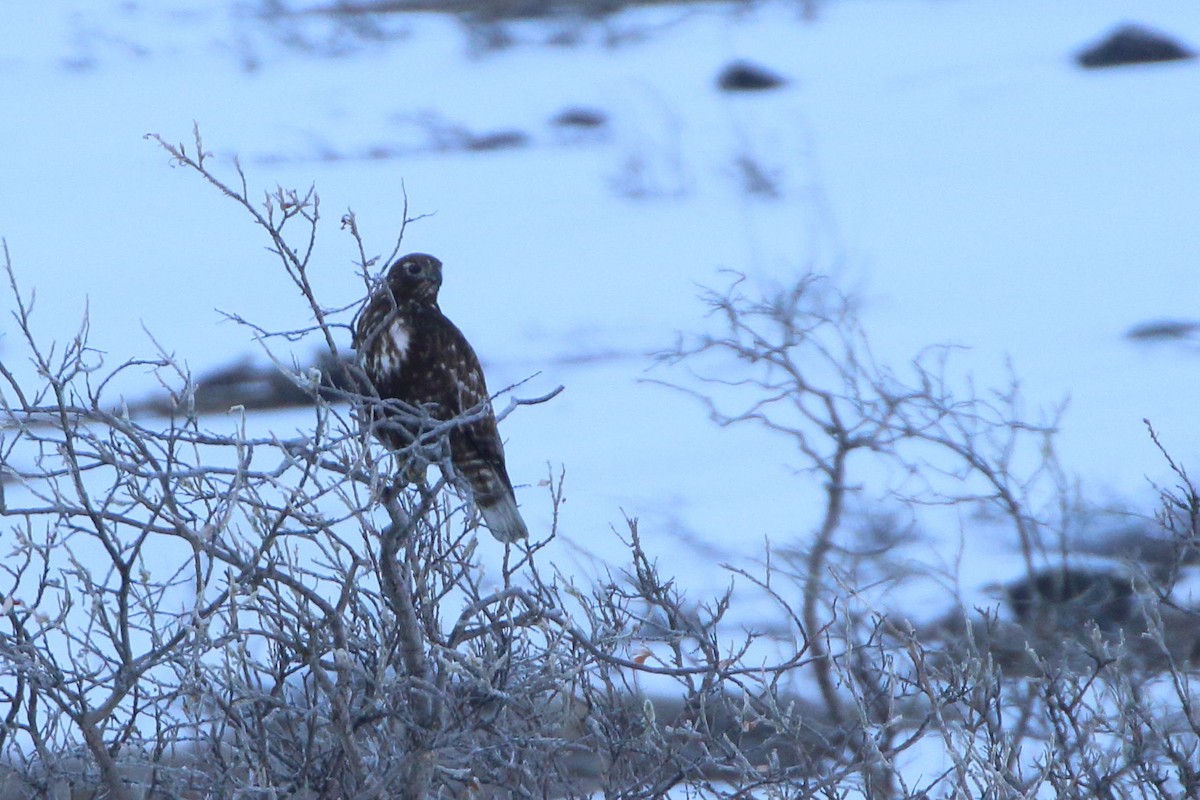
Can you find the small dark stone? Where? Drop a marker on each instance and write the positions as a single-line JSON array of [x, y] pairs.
[[497, 140], [743, 76], [582, 118], [1133, 44], [1162, 330]]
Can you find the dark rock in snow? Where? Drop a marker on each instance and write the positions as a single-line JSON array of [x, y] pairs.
[[496, 140], [577, 125], [1133, 44], [1163, 330], [580, 118], [743, 76], [252, 385], [1066, 598]]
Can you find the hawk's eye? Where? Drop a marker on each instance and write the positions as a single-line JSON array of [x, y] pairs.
[[412, 268]]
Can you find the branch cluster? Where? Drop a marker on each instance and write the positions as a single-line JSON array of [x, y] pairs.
[[193, 607]]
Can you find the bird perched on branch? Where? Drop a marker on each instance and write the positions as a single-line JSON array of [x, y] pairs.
[[413, 353]]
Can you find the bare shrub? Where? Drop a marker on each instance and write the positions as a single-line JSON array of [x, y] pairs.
[[196, 608], [1049, 703]]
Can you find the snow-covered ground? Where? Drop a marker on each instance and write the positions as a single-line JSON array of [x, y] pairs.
[[947, 161]]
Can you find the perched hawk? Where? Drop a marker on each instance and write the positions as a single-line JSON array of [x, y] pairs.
[[411, 352]]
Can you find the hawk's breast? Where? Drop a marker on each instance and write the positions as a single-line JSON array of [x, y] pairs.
[[386, 355]]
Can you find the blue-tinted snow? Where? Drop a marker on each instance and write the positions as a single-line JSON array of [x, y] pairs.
[[947, 161]]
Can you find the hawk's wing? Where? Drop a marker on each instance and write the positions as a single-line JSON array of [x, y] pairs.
[[465, 392], [417, 355], [476, 450]]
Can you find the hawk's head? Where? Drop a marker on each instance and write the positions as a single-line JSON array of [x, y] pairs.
[[416, 276]]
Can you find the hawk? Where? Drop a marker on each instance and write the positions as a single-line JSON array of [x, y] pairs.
[[413, 353]]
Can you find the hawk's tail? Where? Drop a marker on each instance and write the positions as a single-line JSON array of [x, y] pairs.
[[502, 518]]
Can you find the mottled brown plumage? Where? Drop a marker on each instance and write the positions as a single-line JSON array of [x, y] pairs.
[[413, 353]]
